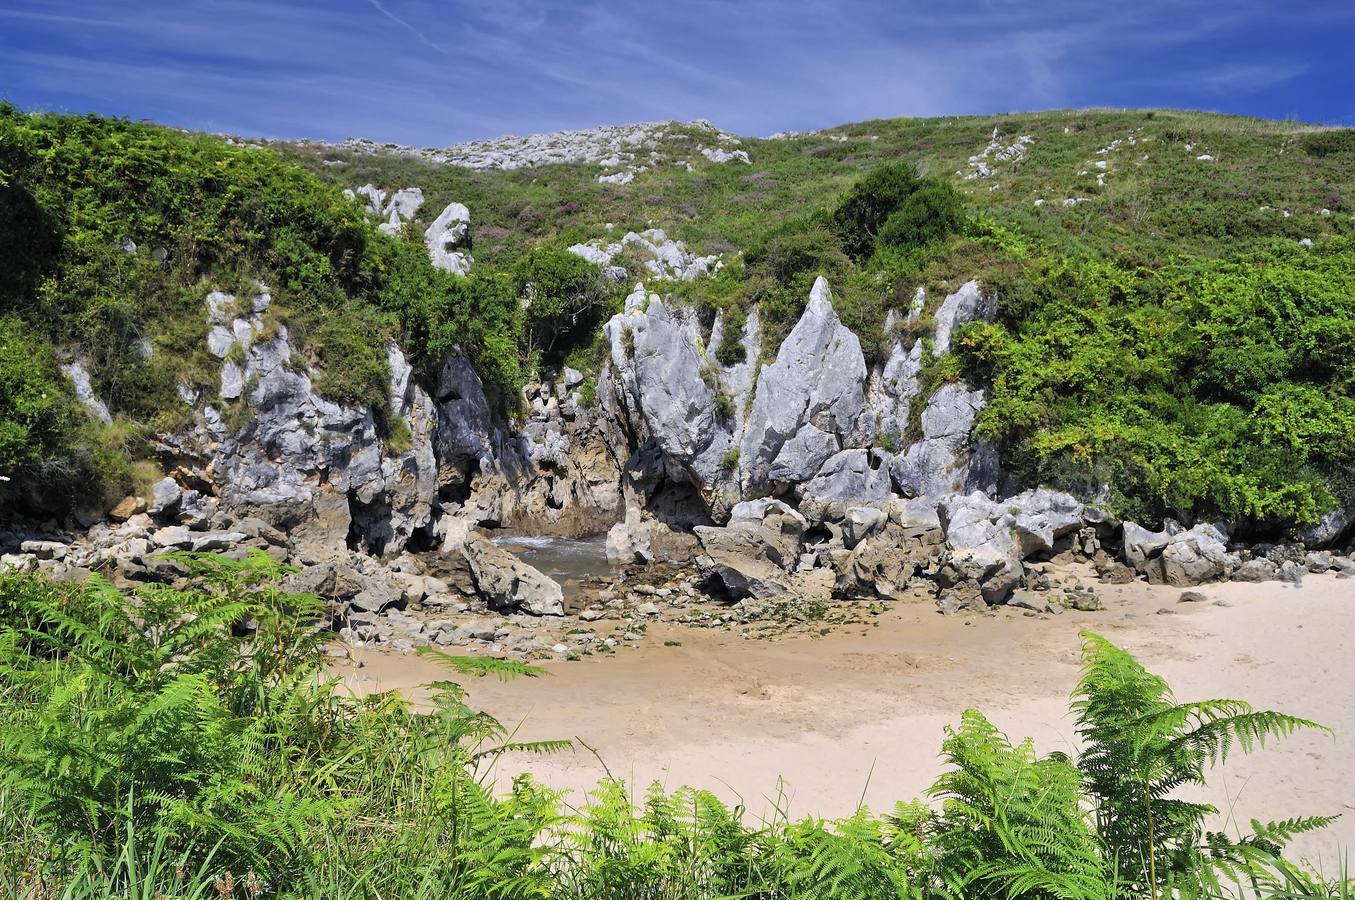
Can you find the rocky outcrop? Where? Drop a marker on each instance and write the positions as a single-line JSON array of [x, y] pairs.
[[812, 473], [806, 428], [662, 392], [84, 391], [1179, 556], [448, 240], [947, 459], [1329, 531], [401, 207], [317, 469], [887, 551], [557, 473], [893, 388], [663, 258], [754, 553], [818, 379], [968, 304], [848, 478], [737, 378]]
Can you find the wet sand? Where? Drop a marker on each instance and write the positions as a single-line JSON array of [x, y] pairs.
[[859, 714]]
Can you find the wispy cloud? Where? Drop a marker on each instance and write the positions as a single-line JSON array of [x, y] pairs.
[[1248, 76], [405, 25]]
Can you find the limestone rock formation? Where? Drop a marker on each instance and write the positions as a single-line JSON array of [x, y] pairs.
[[659, 389], [84, 391], [297, 460], [1178, 556], [848, 478], [818, 379], [448, 240], [947, 459], [968, 304], [753, 554], [662, 257]]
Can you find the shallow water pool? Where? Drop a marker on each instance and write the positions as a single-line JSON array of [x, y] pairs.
[[570, 561]]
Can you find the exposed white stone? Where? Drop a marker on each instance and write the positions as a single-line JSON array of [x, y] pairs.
[[664, 259], [721, 155], [996, 151], [84, 391], [967, 304], [449, 232], [818, 377]]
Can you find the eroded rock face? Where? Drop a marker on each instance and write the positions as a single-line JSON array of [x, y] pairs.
[[1043, 516], [818, 379], [556, 474], [1197, 556], [1178, 556], [947, 459], [402, 205], [753, 554], [1329, 531], [84, 391], [968, 304], [662, 258], [448, 240], [1142, 545], [892, 547], [846, 479], [660, 389], [804, 427], [297, 460], [984, 548], [893, 388], [736, 380]]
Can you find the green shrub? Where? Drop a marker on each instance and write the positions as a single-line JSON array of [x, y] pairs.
[[870, 202], [799, 247], [731, 350], [1197, 389], [1330, 142], [729, 461], [350, 354], [565, 297], [932, 212], [724, 407]]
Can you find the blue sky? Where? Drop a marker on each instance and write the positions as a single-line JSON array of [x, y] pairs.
[[434, 72]]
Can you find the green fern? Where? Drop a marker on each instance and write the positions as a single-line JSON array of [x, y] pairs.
[[1141, 746]]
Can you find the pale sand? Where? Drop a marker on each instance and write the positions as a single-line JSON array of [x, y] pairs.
[[859, 714]]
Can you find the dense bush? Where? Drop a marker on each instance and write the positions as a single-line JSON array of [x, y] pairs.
[[894, 206], [1330, 142], [932, 212], [565, 298], [153, 747], [869, 203], [1203, 388], [40, 422]]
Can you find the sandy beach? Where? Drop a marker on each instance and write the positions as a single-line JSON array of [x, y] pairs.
[[858, 715]]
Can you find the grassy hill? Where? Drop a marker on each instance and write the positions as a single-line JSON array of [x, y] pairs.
[[1164, 337]]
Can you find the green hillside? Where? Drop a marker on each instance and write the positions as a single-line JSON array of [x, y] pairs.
[[1164, 336]]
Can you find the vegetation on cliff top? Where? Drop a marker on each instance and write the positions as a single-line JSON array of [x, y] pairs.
[[152, 748], [111, 235], [1163, 338]]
